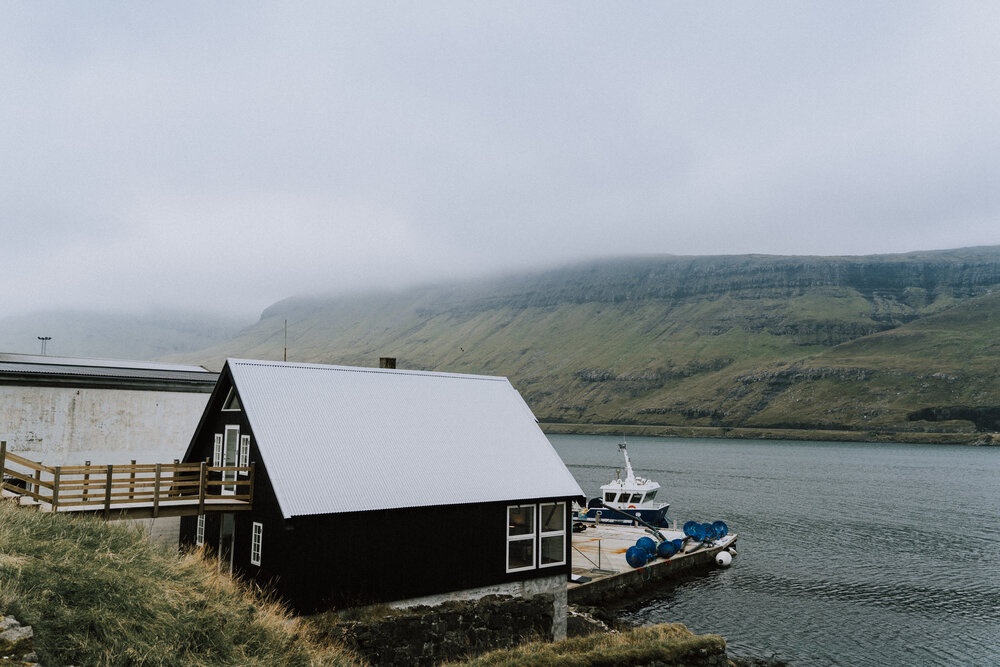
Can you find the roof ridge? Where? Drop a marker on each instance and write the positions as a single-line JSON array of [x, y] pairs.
[[304, 365]]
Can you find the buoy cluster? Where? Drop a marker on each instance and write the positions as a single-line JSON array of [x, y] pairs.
[[646, 548], [706, 532]]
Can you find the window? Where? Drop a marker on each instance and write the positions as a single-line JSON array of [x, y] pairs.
[[552, 535], [528, 534], [199, 533], [636, 497], [520, 537], [256, 539], [609, 496], [244, 452], [217, 452], [232, 401], [230, 457]]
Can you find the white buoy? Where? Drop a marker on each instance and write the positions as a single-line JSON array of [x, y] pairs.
[[724, 558]]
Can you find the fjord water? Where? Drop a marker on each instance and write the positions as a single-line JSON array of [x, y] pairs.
[[849, 553]]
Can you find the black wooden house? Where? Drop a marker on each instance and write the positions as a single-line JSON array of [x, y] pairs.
[[376, 485]]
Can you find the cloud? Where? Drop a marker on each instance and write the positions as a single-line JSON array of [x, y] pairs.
[[228, 155]]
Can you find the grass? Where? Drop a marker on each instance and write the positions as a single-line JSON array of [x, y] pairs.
[[99, 593], [668, 644]]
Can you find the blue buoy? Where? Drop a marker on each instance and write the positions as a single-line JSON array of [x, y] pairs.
[[666, 549], [648, 544], [636, 556], [719, 529]]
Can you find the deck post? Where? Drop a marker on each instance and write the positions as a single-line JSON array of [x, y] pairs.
[[250, 492], [107, 492], [131, 482], [86, 482], [55, 487], [202, 483], [38, 479], [3, 459], [156, 491]]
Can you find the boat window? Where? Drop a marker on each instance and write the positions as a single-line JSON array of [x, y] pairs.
[[636, 497], [623, 498], [650, 495], [609, 497]]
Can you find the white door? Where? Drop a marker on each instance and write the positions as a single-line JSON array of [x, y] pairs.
[[230, 455]]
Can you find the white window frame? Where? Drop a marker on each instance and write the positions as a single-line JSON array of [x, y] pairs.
[[531, 535], [199, 531], [217, 452], [544, 535], [229, 400], [256, 542], [244, 459]]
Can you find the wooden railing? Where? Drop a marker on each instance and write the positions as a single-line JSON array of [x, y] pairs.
[[113, 488]]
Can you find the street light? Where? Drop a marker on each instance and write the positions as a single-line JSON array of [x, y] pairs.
[[44, 339]]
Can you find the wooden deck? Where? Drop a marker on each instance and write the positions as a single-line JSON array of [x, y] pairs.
[[132, 490]]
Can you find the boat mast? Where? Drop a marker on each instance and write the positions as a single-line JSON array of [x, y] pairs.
[[629, 475]]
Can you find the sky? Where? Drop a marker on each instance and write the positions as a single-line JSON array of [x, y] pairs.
[[222, 156]]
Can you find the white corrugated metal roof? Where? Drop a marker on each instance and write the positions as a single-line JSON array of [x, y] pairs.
[[84, 362], [344, 439]]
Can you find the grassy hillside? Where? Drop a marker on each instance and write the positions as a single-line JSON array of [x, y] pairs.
[[867, 344], [99, 593]]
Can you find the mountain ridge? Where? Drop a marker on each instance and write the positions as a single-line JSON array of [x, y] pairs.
[[743, 341]]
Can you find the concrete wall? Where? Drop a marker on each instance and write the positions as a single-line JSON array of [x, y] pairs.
[[67, 426]]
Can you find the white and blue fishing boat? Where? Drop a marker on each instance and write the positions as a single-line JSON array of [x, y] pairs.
[[623, 500]]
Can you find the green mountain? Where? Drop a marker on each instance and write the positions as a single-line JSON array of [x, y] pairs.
[[872, 345]]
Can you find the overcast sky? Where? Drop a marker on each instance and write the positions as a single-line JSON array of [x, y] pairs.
[[224, 155]]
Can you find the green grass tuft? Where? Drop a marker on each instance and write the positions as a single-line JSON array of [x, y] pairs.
[[99, 593]]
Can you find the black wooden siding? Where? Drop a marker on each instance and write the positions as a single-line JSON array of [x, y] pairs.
[[347, 559]]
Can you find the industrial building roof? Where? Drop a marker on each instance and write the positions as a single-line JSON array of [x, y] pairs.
[[73, 371], [344, 439]]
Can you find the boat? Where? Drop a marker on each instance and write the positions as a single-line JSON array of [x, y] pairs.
[[627, 501]]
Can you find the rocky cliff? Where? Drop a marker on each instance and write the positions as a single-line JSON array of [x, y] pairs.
[[871, 344]]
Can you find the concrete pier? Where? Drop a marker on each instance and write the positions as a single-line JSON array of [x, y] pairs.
[[601, 572]]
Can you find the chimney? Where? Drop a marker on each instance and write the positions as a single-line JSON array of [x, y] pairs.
[[387, 362]]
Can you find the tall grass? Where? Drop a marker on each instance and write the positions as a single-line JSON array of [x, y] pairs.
[[668, 644], [99, 593]]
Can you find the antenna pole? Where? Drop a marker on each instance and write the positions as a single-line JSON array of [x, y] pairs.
[[286, 341]]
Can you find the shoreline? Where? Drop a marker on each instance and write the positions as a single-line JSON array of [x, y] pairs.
[[746, 433]]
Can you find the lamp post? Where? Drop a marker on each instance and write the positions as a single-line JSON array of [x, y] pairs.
[[44, 339]]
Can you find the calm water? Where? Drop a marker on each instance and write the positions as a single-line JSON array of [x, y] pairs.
[[849, 553]]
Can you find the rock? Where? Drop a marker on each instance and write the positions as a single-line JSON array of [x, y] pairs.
[[16, 643]]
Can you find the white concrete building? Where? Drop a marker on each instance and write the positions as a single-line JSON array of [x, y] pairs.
[[61, 410]]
